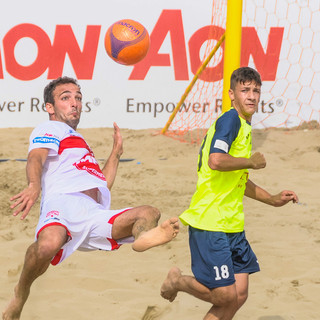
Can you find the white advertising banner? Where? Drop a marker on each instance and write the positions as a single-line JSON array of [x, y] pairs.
[[41, 40]]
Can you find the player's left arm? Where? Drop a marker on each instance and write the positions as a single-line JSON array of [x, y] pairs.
[[111, 166], [255, 192]]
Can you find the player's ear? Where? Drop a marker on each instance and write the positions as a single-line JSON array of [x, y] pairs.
[[231, 94], [49, 108]]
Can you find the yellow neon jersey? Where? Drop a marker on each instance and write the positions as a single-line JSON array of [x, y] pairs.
[[217, 203]]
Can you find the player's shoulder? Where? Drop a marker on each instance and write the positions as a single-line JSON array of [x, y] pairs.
[[53, 125], [229, 118], [52, 128], [230, 115]]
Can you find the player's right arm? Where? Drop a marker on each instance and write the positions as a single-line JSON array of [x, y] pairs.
[[27, 198], [226, 162], [226, 131]]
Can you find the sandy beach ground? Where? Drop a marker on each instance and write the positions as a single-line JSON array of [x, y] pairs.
[[125, 285]]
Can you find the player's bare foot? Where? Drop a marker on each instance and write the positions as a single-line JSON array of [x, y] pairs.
[[161, 234], [14, 308], [168, 288]]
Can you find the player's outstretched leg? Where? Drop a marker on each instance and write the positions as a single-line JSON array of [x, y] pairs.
[[161, 234], [32, 269], [37, 261], [142, 223]]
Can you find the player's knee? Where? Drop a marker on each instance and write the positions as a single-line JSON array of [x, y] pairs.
[[242, 298], [225, 298], [43, 251], [47, 248], [155, 213], [151, 213]]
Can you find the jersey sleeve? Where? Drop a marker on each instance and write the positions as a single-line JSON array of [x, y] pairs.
[[226, 130], [46, 135]]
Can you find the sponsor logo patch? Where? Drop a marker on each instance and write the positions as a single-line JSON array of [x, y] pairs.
[[46, 139], [52, 214]]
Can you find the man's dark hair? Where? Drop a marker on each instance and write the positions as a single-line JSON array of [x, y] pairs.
[[48, 90], [243, 75]]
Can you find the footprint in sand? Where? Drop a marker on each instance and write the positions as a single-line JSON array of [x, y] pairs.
[[8, 236], [153, 313], [14, 272]]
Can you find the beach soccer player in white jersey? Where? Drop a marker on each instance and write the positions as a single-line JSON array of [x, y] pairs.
[[75, 195]]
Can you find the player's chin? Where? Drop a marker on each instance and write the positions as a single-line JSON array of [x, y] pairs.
[[252, 109], [73, 122]]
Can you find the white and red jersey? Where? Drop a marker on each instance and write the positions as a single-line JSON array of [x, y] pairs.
[[70, 165]]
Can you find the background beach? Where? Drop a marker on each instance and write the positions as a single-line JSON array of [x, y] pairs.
[[125, 285]]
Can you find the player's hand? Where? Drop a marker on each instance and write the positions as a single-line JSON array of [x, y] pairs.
[[117, 141], [258, 161], [25, 200], [284, 197]]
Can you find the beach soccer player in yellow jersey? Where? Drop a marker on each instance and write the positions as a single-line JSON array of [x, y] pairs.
[[75, 195], [222, 258]]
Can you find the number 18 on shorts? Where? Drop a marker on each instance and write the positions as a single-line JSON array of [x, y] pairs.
[[218, 256]]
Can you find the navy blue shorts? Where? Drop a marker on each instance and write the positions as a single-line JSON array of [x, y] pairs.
[[217, 256]]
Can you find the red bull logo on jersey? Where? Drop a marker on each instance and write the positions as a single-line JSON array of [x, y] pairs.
[[90, 164]]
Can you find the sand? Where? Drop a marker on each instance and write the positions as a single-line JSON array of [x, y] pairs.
[[125, 285]]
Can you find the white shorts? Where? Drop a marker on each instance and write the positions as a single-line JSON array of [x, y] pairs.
[[88, 224]]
